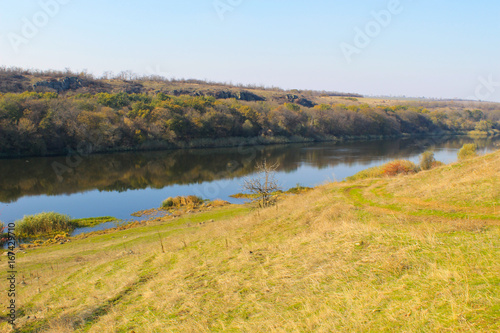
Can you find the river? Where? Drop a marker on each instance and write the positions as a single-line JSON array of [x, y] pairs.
[[120, 184]]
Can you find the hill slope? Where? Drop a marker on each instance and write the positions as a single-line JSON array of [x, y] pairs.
[[416, 254], [56, 113]]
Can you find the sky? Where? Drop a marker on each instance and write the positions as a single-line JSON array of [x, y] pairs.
[[413, 48]]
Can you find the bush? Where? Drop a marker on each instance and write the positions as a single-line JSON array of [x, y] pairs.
[[3, 235], [389, 169], [168, 203], [468, 151], [427, 160], [179, 201], [399, 167], [32, 226]]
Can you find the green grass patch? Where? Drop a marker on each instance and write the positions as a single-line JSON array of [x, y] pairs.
[[92, 221], [356, 194], [374, 172], [294, 190]]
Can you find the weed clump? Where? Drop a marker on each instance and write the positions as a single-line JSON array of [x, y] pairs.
[[32, 226], [468, 150], [218, 203], [190, 201]]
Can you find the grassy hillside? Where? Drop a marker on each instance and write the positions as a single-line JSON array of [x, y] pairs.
[[412, 253]]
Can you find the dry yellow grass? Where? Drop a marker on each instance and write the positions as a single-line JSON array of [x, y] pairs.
[[348, 257]]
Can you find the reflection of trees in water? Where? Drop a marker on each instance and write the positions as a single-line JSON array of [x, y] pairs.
[[125, 171]]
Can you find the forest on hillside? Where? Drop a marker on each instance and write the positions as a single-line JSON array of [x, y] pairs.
[[45, 113], [34, 123]]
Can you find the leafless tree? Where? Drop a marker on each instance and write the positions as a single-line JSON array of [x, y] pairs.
[[264, 184]]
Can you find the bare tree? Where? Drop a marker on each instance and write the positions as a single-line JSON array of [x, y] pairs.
[[264, 184]]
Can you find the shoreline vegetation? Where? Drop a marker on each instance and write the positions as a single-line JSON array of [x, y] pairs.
[[54, 113], [132, 171], [345, 256], [50, 224]]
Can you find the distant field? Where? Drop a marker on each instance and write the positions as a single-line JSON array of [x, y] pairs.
[[414, 253]]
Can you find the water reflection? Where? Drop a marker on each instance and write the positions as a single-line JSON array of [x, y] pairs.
[[131, 171]]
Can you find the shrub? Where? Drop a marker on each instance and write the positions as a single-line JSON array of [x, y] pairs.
[[427, 160], [399, 167], [468, 151], [218, 203], [389, 169], [3, 235], [43, 224], [179, 201], [168, 203]]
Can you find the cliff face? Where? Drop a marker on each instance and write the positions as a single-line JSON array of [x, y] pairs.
[[61, 85]]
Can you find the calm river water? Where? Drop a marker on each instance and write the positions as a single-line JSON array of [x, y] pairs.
[[122, 183]]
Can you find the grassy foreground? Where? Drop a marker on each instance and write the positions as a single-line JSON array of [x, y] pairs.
[[417, 253]]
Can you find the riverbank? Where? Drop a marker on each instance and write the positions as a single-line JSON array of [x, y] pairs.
[[123, 183], [408, 253]]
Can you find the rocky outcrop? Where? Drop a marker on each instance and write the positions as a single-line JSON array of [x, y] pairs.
[[239, 95], [305, 102], [299, 100], [61, 85], [222, 94], [134, 88], [181, 92], [248, 96]]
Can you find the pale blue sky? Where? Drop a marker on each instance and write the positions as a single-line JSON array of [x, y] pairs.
[[432, 48]]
